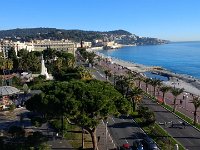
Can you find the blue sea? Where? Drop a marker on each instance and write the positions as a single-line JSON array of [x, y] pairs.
[[178, 57]]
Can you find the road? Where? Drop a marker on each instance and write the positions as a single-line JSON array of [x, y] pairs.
[[124, 130], [189, 137]]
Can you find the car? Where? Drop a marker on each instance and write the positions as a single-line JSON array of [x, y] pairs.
[[126, 146], [149, 144], [138, 145]]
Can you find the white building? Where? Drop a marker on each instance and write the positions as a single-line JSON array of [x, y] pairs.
[[23, 45], [37, 45], [62, 45], [87, 44]]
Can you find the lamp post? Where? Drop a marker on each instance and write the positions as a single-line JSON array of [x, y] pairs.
[[106, 134], [114, 78], [185, 96]]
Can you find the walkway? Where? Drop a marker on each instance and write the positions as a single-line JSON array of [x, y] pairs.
[[104, 139]]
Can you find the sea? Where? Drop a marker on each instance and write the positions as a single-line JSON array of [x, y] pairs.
[[178, 57]]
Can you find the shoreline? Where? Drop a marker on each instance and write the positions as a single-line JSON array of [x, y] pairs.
[[189, 83]]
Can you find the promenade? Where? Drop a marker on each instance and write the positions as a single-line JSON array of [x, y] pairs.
[[183, 102], [189, 136]]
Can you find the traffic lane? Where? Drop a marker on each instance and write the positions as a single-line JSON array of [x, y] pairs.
[[124, 130], [97, 74], [189, 137]]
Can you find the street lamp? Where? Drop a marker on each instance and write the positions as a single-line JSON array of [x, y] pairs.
[[106, 134], [114, 77], [185, 96]]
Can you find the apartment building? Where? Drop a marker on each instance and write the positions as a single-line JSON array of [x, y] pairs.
[[37, 45]]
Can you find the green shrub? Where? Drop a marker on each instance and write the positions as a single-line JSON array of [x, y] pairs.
[[142, 110], [57, 124], [16, 131], [36, 139], [149, 117], [12, 107], [37, 121]]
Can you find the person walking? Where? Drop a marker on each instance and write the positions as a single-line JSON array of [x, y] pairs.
[[181, 101], [98, 138]]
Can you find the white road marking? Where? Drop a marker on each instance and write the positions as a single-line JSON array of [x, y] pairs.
[[113, 119], [126, 141], [100, 74]]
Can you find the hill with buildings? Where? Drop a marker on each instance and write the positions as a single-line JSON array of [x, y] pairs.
[[119, 36]]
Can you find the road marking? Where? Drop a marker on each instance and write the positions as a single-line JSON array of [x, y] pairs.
[[113, 119], [100, 74], [126, 141]]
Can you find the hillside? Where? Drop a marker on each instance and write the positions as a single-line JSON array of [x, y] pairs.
[[122, 36]]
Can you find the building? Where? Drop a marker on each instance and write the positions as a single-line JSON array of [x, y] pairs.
[[62, 45], [37, 45], [5, 46], [87, 44], [23, 45]]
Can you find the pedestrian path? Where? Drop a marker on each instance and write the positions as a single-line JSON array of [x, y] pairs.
[[104, 139]]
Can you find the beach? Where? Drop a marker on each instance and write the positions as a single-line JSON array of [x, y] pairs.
[[189, 83]]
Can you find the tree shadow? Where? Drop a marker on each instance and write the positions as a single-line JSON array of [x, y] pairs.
[[123, 125]]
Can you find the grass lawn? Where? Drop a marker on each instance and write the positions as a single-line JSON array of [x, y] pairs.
[[74, 135]]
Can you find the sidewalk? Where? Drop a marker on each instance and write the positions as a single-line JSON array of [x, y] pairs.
[[104, 142]]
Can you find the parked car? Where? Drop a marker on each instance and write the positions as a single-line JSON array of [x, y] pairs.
[[138, 145], [126, 147], [149, 144]]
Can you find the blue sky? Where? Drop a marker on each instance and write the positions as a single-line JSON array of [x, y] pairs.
[[176, 20]]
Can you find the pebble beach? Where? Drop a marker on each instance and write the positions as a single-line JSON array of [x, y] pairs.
[[189, 83]]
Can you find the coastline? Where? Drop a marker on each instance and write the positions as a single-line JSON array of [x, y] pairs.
[[189, 83]]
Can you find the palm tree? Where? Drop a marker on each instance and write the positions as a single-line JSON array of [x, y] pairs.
[[147, 82], [139, 78], [175, 93], [164, 90], [91, 57], [107, 73], [120, 84], [8, 64], [84, 73], [136, 96], [58, 63], [196, 102], [154, 83], [129, 84]]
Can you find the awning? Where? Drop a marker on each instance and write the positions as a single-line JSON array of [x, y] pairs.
[[8, 90]]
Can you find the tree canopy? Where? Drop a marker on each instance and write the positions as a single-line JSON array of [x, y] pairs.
[[85, 103]]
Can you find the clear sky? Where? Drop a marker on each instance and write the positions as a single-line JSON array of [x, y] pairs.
[[176, 20]]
